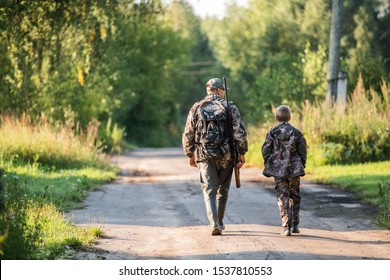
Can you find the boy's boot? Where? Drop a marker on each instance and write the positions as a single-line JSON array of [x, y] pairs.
[[286, 232], [295, 229]]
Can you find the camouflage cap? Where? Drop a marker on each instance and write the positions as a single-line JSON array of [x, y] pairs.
[[215, 83]]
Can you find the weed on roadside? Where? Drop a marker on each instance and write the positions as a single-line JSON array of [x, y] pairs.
[[384, 204]]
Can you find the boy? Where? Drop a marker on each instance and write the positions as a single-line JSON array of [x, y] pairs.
[[284, 153]]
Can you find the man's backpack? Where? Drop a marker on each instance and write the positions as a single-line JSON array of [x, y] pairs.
[[211, 135]]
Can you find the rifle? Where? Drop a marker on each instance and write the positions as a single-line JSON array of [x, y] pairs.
[[232, 143]]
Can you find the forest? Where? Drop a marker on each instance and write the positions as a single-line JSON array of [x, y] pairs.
[[135, 67]]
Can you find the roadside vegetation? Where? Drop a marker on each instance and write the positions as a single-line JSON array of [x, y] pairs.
[[46, 169]]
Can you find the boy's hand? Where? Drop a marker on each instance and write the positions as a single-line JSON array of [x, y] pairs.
[[240, 161]]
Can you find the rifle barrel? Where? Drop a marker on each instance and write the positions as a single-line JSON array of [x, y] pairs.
[[233, 150]]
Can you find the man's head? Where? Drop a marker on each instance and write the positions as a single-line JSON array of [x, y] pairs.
[[283, 113], [215, 83], [215, 86]]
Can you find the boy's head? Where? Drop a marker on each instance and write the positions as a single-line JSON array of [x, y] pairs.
[[283, 113]]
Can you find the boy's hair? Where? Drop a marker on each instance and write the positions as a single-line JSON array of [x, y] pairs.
[[283, 113]]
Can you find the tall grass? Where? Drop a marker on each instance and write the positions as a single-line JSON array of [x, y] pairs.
[[46, 168], [45, 142], [360, 134]]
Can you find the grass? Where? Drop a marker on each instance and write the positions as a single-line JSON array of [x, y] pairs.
[[370, 182], [45, 169], [42, 196], [363, 178], [65, 188], [45, 142]]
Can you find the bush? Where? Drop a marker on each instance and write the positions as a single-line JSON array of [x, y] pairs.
[[361, 134], [112, 137], [19, 237]]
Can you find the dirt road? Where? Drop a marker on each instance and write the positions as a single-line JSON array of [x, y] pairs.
[[155, 210]]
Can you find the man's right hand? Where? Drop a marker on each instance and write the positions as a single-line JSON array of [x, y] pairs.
[[192, 161], [240, 161]]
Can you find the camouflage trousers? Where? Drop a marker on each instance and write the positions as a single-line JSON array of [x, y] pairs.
[[289, 200]]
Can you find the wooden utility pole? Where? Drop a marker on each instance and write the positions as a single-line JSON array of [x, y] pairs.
[[334, 50]]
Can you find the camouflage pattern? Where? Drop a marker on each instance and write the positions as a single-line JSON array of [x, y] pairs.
[[191, 136], [212, 135], [284, 152], [289, 200], [215, 83]]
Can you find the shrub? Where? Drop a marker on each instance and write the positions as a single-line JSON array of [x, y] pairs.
[[360, 134], [20, 238]]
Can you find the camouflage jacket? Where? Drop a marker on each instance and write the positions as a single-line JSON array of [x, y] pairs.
[[192, 147], [284, 152]]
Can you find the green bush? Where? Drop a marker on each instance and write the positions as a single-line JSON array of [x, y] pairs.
[[19, 237], [360, 134], [112, 137]]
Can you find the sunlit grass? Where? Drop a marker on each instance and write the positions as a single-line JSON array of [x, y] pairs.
[[361, 178], [66, 188], [48, 143], [58, 235], [46, 169]]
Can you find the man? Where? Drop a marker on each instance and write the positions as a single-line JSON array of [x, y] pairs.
[[206, 144]]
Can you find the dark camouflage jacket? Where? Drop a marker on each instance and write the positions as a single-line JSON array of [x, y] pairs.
[[190, 140], [284, 152]]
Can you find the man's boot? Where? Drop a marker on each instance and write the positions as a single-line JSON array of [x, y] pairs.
[[212, 213], [221, 206]]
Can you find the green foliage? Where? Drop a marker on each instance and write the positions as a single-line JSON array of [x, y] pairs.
[[256, 137], [361, 134], [384, 204], [48, 143], [277, 51], [141, 64], [367, 181], [112, 137], [32, 224], [43, 181], [20, 238], [110, 61]]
